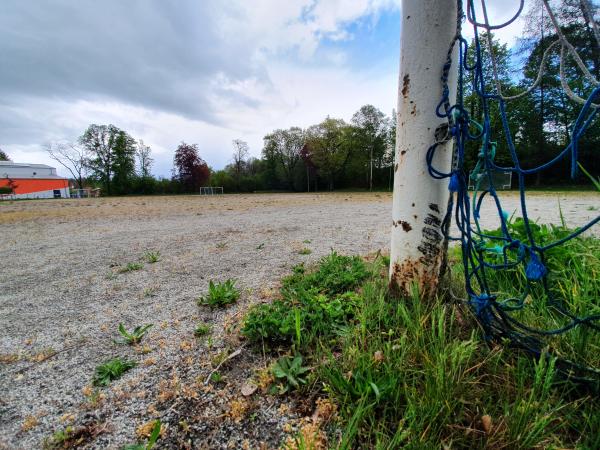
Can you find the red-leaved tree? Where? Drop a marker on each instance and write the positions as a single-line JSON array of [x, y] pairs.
[[191, 170]]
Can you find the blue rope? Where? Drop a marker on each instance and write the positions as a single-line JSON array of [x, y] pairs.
[[478, 247]]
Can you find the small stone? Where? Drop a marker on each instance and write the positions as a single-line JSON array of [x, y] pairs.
[[249, 388]]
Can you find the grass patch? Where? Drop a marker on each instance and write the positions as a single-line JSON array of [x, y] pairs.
[[305, 251], [402, 372], [152, 257], [202, 329], [131, 267], [573, 283], [220, 294], [313, 305], [111, 370]]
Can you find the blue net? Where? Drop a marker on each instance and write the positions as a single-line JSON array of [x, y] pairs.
[[519, 248]]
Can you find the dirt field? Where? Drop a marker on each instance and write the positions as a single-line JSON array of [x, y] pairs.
[[62, 299]]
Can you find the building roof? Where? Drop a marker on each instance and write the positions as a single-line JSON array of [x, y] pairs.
[[14, 164]]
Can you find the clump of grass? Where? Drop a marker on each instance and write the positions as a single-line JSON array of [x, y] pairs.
[[202, 329], [130, 267], [150, 291], [135, 336], [313, 305], [111, 370], [152, 257], [220, 294], [216, 377], [305, 251], [404, 372]]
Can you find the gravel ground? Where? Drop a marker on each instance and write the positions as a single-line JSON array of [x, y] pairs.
[[62, 298]]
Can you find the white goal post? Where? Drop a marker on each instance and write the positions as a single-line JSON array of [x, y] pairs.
[[420, 201], [211, 190]]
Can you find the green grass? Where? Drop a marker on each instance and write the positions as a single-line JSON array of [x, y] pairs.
[[220, 294], [408, 373], [152, 257], [202, 329], [111, 370], [573, 280], [305, 251], [313, 304], [134, 336], [130, 267]]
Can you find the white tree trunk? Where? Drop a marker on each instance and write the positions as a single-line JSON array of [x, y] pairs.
[[420, 201]]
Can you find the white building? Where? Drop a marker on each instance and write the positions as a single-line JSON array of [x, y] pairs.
[[32, 180]]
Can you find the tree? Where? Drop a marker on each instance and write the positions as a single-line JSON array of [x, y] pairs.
[[72, 156], [328, 148], [284, 146], [371, 128], [3, 156], [190, 169], [240, 154], [99, 141], [144, 160], [123, 166]]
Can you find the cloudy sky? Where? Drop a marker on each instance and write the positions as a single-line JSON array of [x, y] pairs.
[[200, 71]]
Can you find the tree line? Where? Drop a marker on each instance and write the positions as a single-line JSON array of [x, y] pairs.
[[332, 154]]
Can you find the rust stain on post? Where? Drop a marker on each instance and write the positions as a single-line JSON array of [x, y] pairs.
[[405, 85]]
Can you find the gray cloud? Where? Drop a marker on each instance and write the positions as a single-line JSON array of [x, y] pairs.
[[157, 54]]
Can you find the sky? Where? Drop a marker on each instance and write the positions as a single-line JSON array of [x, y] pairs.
[[199, 71]]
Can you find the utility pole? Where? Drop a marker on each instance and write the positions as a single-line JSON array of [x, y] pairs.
[[420, 201]]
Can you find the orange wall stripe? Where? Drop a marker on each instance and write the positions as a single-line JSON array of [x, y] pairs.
[[27, 186]]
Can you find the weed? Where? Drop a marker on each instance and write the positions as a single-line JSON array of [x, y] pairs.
[[202, 329], [306, 241], [150, 291], [130, 267], [216, 377], [135, 336], [221, 245], [305, 251], [111, 370], [152, 257], [59, 438], [110, 275], [155, 434], [220, 294], [313, 305], [260, 246], [290, 372]]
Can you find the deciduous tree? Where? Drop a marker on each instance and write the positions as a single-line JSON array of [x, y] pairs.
[[190, 168]]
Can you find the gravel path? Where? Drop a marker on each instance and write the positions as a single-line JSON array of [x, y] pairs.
[[61, 300]]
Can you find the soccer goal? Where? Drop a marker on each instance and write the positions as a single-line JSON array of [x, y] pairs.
[[211, 190], [501, 180]]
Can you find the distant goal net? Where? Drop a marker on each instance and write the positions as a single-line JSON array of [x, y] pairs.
[[211, 190], [480, 181]]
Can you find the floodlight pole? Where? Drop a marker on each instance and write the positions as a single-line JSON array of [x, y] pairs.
[[419, 201]]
